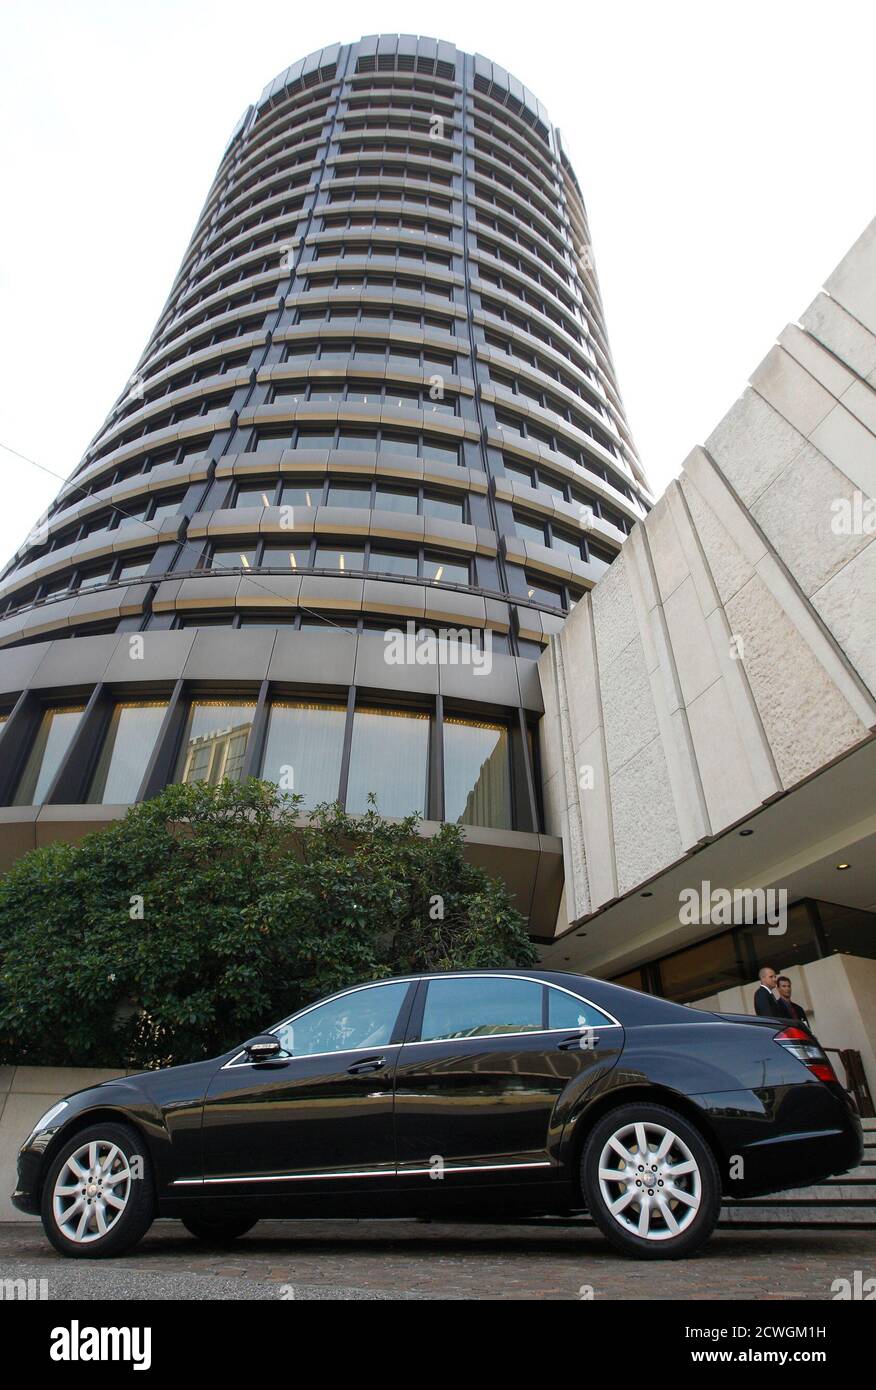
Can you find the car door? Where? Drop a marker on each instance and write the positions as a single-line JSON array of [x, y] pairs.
[[320, 1118], [479, 1080]]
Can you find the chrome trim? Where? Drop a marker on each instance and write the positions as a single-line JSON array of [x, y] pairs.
[[476, 1167], [453, 975], [496, 1037], [363, 1173], [292, 1057]]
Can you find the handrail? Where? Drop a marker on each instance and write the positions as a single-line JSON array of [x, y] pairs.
[[856, 1081]]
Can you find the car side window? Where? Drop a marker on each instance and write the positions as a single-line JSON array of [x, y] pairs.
[[565, 1011], [481, 1007], [361, 1019]]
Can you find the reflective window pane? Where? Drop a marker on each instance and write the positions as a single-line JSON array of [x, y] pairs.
[[164, 510], [284, 557], [387, 562], [312, 440], [477, 773], [349, 495], [259, 496], [445, 508], [364, 1018], [50, 747], [127, 748], [361, 442], [233, 558], [399, 444], [481, 1007], [398, 781], [215, 741], [565, 1011], [305, 494], [441, 453], [89, 580], [329, 558], [541, 592], [451, 571], [133, 569], [303, 750], [392, 499], [267, 443]]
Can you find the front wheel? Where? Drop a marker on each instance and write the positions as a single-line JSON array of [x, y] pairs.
[[217, 1232], [651, 1182], [98, 1196]]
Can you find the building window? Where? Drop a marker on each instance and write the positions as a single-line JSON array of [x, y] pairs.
[[128, 746], [215, 741], [449, 571], [304, 747], [399, 781], [232, 557], [51, 744], [477, 773], [541, 592], [329, 558]]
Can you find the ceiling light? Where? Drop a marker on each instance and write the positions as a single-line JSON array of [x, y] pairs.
[[844, 866], [746, 832]]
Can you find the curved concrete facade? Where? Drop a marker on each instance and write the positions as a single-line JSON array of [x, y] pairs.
[[710, 709], [379, 397]]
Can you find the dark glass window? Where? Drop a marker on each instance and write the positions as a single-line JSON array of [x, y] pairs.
[[399, 783], [364, 1018], [481, 1007], [565, 1011], [303, 750]]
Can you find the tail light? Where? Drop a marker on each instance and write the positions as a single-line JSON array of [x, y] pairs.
[[804, 1047]]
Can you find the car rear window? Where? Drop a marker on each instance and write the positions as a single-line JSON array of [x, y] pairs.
[[567, 1011]]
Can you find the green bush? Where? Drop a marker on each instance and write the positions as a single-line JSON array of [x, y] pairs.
[[210, 912]]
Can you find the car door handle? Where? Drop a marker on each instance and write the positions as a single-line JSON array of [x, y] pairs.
[[370, 1064], [569, 1043]]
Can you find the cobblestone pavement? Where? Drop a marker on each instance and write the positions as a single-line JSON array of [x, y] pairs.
[[402, 1259]]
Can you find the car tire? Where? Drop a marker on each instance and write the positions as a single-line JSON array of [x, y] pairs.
[[218, 1232], [100, 1177], [650, 1182]]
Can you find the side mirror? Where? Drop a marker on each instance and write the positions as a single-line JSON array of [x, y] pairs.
[[264, 1048]]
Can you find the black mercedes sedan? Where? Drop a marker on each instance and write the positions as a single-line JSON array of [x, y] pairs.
[[496, 1092]]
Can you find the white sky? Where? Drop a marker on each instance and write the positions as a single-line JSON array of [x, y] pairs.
[[725, 153]]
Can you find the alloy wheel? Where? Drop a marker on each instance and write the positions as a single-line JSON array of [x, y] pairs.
[[650, 1181], [91, 1191]]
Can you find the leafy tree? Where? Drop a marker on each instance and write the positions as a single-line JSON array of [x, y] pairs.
[[209, 912]]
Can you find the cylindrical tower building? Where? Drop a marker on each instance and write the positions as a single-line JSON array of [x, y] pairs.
[[380, 397]]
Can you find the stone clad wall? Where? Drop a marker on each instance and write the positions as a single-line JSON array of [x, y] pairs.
[[26, 1093], [730, 651]]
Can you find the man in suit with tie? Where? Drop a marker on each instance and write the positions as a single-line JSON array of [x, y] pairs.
[[765, 1002], [794, 1010]]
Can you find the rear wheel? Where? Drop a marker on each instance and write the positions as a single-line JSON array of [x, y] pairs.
[[651, 1182], [216, 1231], [98, 1196]]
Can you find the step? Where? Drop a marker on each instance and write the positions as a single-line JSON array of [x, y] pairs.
[[740, 1214]]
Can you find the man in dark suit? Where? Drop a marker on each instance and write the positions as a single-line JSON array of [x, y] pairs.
[[765, 1002], [794, 1010]]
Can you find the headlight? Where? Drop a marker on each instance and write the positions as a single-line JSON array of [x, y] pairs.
[[46, 1119]]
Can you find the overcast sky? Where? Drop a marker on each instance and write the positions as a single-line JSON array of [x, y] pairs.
[[725, 153]]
